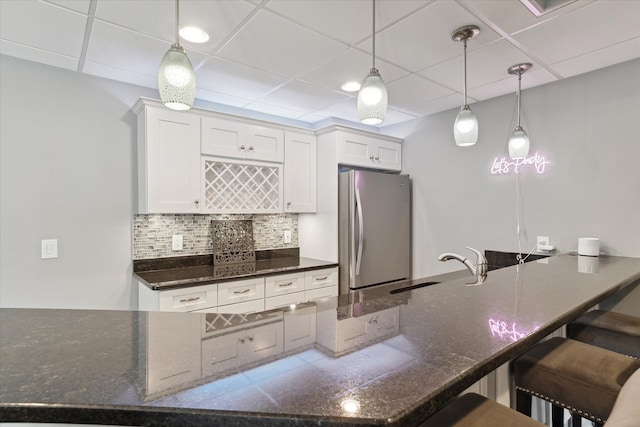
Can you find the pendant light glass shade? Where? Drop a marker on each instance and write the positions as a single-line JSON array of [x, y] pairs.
[[518, 144], [372, 96], [465, 128], [372, 99], [176, 79], [519, 140]]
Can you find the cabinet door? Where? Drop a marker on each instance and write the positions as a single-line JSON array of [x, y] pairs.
[[223, 352], [172, 162], [354, 150], [299, 327], [388, 155], [173, 350], [264, 144], [264, 341], [299, 172], [224, 138]]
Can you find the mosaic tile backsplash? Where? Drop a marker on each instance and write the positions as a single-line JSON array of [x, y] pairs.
[[152, 234]]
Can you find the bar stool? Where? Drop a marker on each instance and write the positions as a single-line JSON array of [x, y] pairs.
[[607, 329], [573, 375], [473, 410]]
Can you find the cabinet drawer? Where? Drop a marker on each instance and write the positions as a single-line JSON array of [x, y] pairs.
[[321, 278], [284, 300], [284, 284], [254, 306], [189, 299], [240, 291], [328, 291]]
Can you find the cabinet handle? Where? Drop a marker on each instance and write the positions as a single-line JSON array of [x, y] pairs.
[[197, 202], [250, 339], [284, 285], [241, 340], [242, 147], [241, 292], [322, 278], [373, 321], [377, 157], [251, 148], [190, 299], [288, 203], [370, 157]]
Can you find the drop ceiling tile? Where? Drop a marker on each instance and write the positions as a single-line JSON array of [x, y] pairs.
[[260, 46], [585, 30], [114, 73], [220, 98], [42, 26], [436, 105], [512, 16], [394, 117], [218, 18], [303, 97], [424, 39], [275, 110], [348, 21], [346, 110], [413, 90], [229, 78], [353, 65], [118, 47], [534, 77], [610, 55], [486, 64], [38, 55], [81, 6], [312, 118]]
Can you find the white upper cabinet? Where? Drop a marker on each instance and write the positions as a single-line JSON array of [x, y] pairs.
[[230, 138], [168, 160], [299, 172], [370, 151]]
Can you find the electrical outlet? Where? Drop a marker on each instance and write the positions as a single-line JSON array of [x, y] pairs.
[[176, 242], [287, 236], [542, 241], [49, 248]]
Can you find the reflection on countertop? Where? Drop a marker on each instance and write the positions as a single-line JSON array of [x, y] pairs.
[[378, 359]]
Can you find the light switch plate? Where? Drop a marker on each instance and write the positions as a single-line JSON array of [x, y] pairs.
[[49, 248]]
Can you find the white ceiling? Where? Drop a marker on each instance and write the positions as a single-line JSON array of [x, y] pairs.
[[289, 57]]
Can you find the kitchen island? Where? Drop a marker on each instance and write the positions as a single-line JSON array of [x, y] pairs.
[[378, 358]]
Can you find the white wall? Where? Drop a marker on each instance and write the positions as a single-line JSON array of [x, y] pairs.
[[589, 128], [67, 167]]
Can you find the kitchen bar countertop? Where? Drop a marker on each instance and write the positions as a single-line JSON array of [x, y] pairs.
[[168, 273], [85, 366]]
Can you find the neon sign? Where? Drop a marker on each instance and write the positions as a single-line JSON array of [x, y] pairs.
[[502, 330], [504, 165]]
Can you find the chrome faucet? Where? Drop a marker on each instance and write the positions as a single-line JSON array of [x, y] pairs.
[[479, 270]]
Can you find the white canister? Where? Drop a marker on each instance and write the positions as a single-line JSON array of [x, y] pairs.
[[588, 264], [589, 246]]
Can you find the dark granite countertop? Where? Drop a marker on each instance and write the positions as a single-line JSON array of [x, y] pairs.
[[169, 273], [83, 366]]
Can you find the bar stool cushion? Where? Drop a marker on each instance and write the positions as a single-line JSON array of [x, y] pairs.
[[626, 410], [473, 410], [580, 377], [607, 329]]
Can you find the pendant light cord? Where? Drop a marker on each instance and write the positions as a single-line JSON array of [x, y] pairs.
[[373, 35], [519, 91], [464, 84], [178, 22]]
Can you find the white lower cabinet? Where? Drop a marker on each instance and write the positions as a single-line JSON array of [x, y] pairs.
[[299, 327], [171, 350], [227, 351]]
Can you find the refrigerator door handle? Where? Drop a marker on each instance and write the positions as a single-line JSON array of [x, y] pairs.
[[360, 232]]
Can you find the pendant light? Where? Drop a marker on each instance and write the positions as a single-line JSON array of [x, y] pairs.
[[372, 96], [519, 140], [465, 128], [176, 79]]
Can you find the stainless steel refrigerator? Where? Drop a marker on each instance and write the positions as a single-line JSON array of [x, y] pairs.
[[374, 226]]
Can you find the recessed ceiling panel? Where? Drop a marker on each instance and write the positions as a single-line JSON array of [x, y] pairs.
[[271, 43], [124, 49], [227, 77], [42, 26], [424, 39]]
